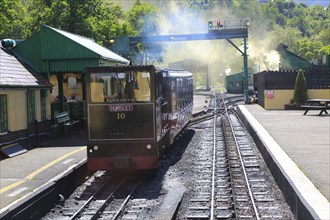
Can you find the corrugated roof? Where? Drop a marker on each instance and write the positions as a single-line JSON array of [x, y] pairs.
[[14, 74], [91, 45]]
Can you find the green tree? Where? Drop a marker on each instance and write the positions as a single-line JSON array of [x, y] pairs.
[[308, 49], [141, 20], [287, 35], [325, 50], [13, 19], [198, 5], [323, 36], [79, 12], [300, 88], [69, 15], [46, 12], [106, 25], [142, 17], [317, 19]]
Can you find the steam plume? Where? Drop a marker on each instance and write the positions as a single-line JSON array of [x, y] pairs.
[[218, 54]]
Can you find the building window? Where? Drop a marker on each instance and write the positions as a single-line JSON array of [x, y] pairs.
[[43, 95], [3, 114], [31, 106]]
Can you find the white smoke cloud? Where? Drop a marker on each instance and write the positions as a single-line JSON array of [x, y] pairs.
[[264, 57], [227, 71], [220, 56]]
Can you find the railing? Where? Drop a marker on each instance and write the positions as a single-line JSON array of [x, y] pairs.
[[228, 24]]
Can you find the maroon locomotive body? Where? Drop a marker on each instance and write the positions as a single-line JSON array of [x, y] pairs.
[[134, 114]]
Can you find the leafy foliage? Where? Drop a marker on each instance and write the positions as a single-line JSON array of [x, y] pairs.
[[142, 18], [13, 19], [304, 29], [106, 25], [300, 88], [311, 50], [69, 15]]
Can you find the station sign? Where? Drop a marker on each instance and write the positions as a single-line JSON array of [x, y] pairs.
[[270, 94]]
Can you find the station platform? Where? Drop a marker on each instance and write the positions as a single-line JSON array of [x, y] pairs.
[[28, 175], [296, 148]]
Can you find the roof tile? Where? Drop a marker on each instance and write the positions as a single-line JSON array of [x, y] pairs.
[[14, 73]]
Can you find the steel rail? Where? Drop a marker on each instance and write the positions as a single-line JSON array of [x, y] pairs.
[[126, 200], [213, 165], [226, 138], [107, 200], [243, 168], [89, 200]]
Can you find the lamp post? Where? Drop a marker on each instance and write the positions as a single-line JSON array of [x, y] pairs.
[[246, 69], [246, 73]]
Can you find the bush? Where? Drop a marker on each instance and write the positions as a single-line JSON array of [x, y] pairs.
[[300, 88]]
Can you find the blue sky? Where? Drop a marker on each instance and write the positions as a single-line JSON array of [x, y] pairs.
[[314, 2]]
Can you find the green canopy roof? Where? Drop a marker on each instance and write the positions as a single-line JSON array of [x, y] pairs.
[[54, 51]]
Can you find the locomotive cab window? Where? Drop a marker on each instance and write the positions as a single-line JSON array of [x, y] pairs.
[[132, 86]]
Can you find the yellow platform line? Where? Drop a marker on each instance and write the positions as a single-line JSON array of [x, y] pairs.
[[30, 176]]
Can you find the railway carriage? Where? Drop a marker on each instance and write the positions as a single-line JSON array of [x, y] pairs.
[[134, 114]]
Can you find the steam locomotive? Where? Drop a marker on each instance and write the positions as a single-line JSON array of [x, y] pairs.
[[134, 114]]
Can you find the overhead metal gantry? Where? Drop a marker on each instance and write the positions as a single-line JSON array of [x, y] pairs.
[[216, 30], [212, 35]]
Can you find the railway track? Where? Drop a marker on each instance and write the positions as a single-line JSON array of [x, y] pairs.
[[103, 196], [231, 184], [224, 175]]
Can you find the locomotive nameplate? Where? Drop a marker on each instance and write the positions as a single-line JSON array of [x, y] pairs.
[[120, 108], [121, 121]]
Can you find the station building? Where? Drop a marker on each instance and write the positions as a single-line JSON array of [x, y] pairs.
[[24, 112], [275, 88], [41, 75], [234, 83]]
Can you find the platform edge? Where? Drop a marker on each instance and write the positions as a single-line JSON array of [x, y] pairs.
[[306, 200]]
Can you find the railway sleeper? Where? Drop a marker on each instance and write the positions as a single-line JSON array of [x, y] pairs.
[[272, 217], [259, 193], [242, 199], [258, 186], [198, 208], [200, 200], [223, 207], [223, 198], [227, 185], [257, 180], [200, 216], [224, 216], [264, 199], [267, 207]]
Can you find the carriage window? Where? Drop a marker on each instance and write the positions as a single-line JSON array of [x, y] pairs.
[[132, 86]]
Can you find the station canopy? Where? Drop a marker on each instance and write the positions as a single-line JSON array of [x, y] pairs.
[[51, 50]]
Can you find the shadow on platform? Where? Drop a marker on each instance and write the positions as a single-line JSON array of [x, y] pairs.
[[77, 139]]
